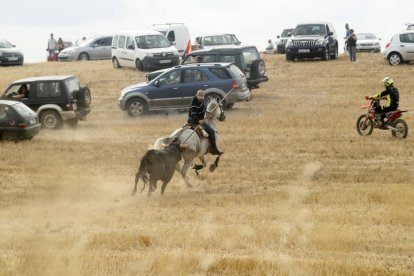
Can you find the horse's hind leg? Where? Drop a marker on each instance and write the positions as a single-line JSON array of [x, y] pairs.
[[215, 164]]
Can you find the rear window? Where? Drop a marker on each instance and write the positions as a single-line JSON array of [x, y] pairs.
[[221, 73], [23, 109], [235, 71], [250, 55], [72, 85]]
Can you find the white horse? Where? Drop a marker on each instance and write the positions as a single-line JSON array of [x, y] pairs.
[[195, 146]]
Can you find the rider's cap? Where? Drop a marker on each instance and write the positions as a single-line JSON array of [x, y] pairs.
[[200, 94]]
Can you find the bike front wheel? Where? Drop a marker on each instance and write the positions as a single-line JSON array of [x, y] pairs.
[[364, 125]]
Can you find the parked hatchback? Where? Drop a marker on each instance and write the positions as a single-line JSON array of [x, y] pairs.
[[9, 54], [97, 47], [175, 87], [400, 49], [55, 99], [17, 121]]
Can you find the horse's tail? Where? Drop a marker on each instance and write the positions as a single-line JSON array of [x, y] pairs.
[[142, 172]]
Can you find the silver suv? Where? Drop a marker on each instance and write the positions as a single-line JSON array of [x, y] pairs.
[[310, 40], [400, 49]]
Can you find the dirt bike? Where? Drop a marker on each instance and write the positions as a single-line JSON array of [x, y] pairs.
[[367, 122]]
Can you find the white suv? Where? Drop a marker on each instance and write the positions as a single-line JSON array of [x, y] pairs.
[[400, 49]]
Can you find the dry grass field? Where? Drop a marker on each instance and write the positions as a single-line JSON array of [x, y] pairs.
[[297, 192]]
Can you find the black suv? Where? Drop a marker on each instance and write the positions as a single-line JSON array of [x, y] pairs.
[[247, 58], [55, 99], [310, 40]]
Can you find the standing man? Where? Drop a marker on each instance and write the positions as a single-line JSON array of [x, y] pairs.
[[346, 36], [351, 42], [51, 47]]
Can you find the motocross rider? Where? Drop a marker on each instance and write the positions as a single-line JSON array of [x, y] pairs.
[[392, 95]]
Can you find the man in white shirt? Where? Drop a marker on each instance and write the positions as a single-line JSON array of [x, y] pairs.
[[51, 47]]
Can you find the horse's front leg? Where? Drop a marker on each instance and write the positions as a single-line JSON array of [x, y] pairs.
[[215, 164]]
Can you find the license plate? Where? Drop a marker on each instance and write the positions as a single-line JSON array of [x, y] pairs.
[[33, 121], [165, 61], [304, 50], [13, 58]]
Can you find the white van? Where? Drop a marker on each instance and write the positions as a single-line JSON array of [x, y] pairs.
[[143, 49], [177, 33]]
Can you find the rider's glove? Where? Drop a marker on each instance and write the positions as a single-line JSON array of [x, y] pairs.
[[367, 98]]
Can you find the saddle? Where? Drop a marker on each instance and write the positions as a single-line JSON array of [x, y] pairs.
[[199, 130]]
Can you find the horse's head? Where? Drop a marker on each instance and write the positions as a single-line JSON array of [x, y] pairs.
[[214, 109]]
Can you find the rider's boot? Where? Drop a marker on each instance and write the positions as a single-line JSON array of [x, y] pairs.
[[214, 150]]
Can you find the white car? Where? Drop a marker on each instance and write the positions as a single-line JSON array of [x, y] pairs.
[[400, 49], [368, 42]]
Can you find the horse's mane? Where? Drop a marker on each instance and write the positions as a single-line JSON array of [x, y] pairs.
[[212, 106]]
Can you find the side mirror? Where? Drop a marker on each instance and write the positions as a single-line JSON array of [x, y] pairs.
[[278, 36], [157, 83], [237, 43], [289, 34], [330, 33], [13, 45], [131, 47]]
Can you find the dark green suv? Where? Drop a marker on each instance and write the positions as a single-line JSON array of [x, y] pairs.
[[55, 99], [247, 58]]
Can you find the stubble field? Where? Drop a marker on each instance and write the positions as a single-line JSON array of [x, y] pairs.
[[297, 191]]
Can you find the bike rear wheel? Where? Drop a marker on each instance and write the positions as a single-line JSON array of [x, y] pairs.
[[400, 129], [364, 125]]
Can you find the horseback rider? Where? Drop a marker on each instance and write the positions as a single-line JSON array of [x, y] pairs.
[[392, 95], [196, 116]]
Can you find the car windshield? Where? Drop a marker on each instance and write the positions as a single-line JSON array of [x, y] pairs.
[[286, 32], [23, 109], [310, 29], [152, 41], [366, 36], [250, 55], [84, 41], [5, 44], [220, 40]]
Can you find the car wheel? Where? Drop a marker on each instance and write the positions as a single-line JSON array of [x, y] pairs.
[[83, 56], [136, 107], [258, 68], [335, 54], [9, 136], [226, 105], [326, 55], [138, 65], [289, 57], [395, 59], [115, 63], [50, 119]]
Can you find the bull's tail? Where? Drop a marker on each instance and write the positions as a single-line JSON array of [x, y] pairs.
[[142, 170]]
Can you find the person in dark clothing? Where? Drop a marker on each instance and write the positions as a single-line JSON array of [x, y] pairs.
[[392, 95], [196, 116], [22, 93], [351, 42]]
